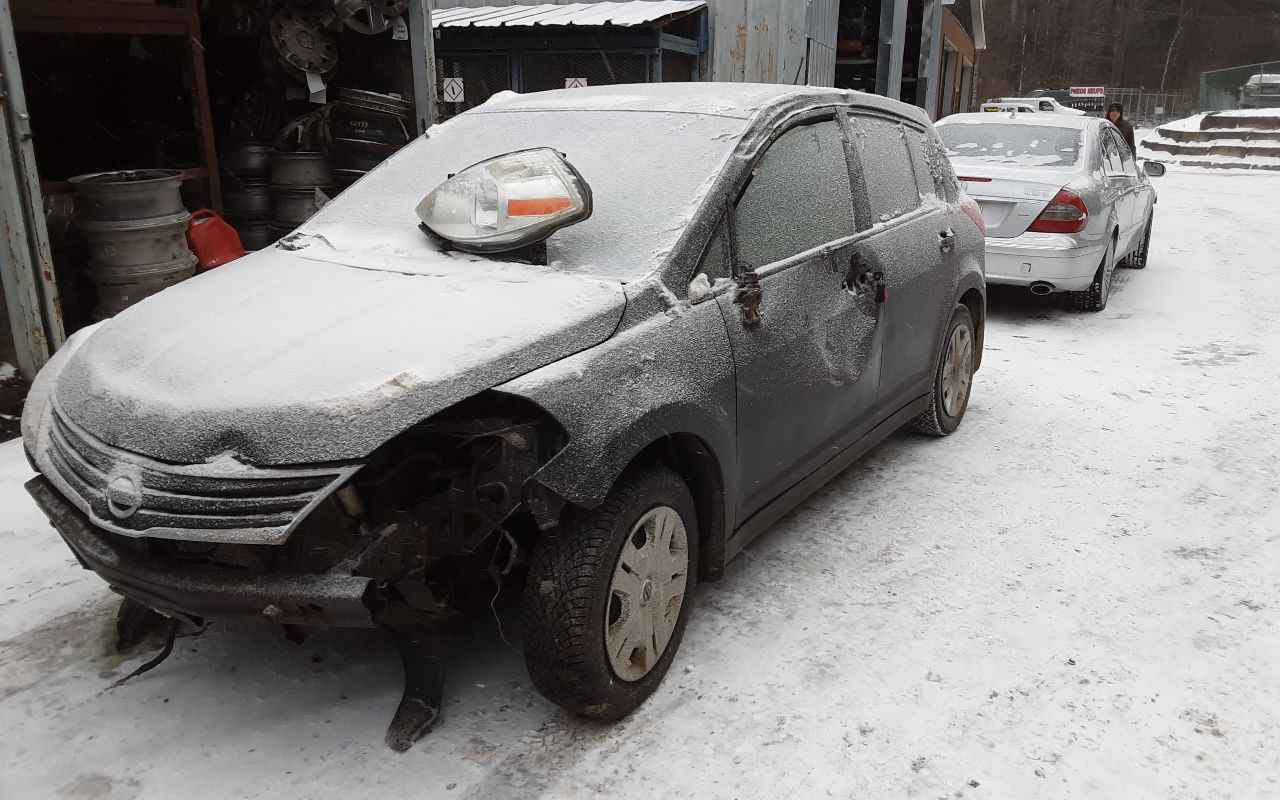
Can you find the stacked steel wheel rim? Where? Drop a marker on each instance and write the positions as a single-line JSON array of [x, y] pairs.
[[300, 183], [136, 226], [247, 199]]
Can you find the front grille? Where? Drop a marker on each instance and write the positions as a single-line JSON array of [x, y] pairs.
[[134, 495]]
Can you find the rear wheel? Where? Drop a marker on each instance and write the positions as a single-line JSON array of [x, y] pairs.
[[1096, 297], [607, 596], [953, 380]]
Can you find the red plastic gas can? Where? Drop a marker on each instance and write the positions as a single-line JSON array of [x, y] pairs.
[[213, 240]]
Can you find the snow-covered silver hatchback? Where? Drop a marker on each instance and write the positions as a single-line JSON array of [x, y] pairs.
[[588, 342]]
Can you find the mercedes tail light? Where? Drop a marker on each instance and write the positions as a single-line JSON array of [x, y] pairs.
[[1066, 213], [508, 202]]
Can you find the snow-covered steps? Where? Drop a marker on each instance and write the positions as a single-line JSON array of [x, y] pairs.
[[1248, 139]]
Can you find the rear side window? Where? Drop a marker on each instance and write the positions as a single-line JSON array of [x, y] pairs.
[[933, 171], [1111, 154], [799, 196], [886, 164]]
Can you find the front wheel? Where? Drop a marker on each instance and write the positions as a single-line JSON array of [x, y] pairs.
[[607, 596], [953, 380]]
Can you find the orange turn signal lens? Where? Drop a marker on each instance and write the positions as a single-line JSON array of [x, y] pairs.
[[537, 207]]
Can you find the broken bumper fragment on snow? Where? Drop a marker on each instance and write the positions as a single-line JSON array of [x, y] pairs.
[[131, 568]]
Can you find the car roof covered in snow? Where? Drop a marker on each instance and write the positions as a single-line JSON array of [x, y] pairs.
[[738, 100], [1036, 120]]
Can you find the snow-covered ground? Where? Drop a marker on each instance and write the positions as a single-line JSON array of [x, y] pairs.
[[1077, 595]]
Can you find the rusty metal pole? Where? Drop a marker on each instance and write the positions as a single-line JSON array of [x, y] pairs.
[[930, 69], [893, 40], [422, 45], [26, 264], [200, 105]]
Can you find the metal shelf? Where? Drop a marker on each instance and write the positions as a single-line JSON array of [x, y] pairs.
[[133, 18]]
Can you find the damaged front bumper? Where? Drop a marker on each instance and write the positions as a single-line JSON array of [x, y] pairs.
[[315, 600]]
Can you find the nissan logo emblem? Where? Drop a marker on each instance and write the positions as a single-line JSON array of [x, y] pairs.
[[124, 496]]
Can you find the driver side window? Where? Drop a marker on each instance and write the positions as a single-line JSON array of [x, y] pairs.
[[1126, 156], [799, 197], [1112, 161], [1046, 106]]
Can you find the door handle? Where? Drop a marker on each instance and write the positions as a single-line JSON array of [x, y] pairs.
[[865, 281], [947, 240]]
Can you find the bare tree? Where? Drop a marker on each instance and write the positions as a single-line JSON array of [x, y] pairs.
[[1183, 10]]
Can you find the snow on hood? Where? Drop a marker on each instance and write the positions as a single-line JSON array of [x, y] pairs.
[[284, 358]]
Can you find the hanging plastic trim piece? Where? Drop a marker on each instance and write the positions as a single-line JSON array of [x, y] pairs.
[[509, 202]]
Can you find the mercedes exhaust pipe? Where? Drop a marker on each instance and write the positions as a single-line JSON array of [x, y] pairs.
[[1041, 288]]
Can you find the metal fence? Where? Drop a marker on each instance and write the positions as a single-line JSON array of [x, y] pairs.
[[1148, 109], [1221, 89]]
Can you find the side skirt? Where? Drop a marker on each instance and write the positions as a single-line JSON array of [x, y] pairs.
[[778, 508]]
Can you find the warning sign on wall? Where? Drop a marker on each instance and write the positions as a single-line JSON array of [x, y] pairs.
[[575, 83], [453, 91]]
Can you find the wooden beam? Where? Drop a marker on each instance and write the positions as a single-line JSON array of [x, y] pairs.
[[95, 16], [200, 101]]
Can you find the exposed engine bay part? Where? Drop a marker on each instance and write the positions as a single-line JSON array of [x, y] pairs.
[[423, 699], [431, 529]]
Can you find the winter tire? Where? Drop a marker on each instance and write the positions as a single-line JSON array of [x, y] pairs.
[[1138, 258], [608, 596], [1096, 297], [953, 380]]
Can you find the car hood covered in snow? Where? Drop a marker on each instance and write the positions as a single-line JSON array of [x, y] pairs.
[[292, 357]]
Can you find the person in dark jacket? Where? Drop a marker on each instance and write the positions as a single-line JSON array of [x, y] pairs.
[[1116, 114]]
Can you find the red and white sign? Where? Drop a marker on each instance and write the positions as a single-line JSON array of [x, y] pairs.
[[1088, 91]]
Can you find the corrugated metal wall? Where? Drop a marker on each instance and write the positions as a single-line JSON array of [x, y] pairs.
[[821, 23], [761, 41]]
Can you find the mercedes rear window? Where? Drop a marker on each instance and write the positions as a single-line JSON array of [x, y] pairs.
[[1018, 145]]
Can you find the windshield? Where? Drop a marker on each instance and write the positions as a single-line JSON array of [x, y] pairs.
[[1021, 145], [647, 172]]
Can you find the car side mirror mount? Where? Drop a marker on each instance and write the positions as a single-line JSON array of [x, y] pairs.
[[1154, 168]]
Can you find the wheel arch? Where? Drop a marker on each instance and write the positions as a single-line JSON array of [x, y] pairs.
[[976, 302], [694, 443], [697, 465]]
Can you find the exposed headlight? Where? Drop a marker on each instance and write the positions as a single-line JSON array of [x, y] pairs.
[[508, 202]]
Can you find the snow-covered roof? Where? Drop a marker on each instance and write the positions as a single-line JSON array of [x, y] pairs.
[[740, 100], [622, 14], [1038, 120]]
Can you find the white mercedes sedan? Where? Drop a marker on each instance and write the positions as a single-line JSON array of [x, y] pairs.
[[1063, 199]]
